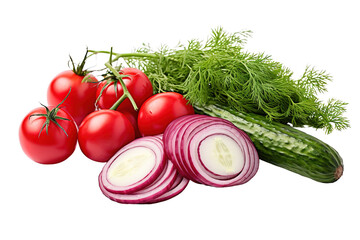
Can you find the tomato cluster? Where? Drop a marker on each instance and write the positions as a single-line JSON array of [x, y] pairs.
[[85, 110]]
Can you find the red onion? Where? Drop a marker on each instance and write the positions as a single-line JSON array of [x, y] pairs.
[[178, 186], [141, 173], [210, 150]]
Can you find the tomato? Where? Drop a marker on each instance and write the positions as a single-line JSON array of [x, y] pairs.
[[49, 147], [161, 109], [137, 83], [103, 133], [81, 100], [132, 115]]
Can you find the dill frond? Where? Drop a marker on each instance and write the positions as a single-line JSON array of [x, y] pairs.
[[220, 70]]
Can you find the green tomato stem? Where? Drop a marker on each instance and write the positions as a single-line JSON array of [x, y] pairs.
[[124, 55], [118, 102], [51, 116], [126, 91]]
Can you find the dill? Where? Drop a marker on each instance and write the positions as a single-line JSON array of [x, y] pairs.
[[220, 70]]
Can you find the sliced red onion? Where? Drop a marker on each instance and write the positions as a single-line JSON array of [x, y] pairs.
[[192, 128], [135, 166], [178, 186], [170, 148], [153, 178], [211, 151], [234, 156], [177, 144], [159, 187]]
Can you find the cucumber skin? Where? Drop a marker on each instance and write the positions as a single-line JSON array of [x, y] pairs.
[[283, 145]]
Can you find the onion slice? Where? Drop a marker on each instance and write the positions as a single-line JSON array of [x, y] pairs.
[[178, 186], [135, 166], [211, 150], [141, 173], [160, 186]]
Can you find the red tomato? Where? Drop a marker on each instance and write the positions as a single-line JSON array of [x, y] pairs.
[[132, 116], [103, 133], [52, 147], [81, 100], [161, 109], [138, 85]]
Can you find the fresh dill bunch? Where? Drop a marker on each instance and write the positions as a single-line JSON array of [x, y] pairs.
[[220, 70]]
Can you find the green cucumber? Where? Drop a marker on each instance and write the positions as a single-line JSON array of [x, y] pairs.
[[283, 145]]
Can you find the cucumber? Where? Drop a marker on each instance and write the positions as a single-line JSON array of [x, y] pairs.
[[283, 145]]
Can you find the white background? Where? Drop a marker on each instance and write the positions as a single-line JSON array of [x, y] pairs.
[[63, 201]]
